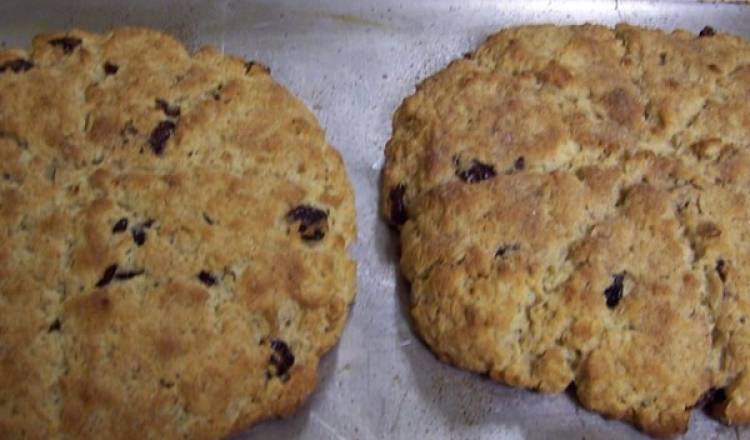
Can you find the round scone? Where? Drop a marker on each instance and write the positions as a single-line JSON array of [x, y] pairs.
[[174, 240], [574, 209]]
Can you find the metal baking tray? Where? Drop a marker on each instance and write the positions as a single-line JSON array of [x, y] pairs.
[[353, 62]]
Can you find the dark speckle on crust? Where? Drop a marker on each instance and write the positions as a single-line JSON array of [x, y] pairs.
[[250, 65], [128, 274], [139, 231], [169, 110], [206, 278], [17, 66], [120, 226], [160, 135], [313, 222], [56, 326], [477, 172], [613, 293], [110, 69], [68, 44], [282, 357], [721, 269], [139, 236], [506, 249], [107, 276]]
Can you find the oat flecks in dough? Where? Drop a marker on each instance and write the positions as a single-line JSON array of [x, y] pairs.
[[148, 269], [613, 258]]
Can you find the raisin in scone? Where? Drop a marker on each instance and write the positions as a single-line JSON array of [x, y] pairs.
[[574, 209], [174, 240]]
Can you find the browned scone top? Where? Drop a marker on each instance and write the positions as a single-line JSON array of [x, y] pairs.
[[174, 232], [574, 207]]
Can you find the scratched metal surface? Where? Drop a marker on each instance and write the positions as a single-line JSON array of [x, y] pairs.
[[353, 62]]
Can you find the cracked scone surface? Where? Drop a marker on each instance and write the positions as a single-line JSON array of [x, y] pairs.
[[174, 233], [574, 208]]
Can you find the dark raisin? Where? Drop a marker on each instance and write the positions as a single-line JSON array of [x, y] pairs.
[[519, 164], [613, 293], [313, 222], [282, 357], [169, 110], [477, 172], [139, 236], [68, 44], [707, 31], [55, 326], [128, 274], [398, 206], [110, 69], [139, 232], [506, 249], [206, 278], [307, 214], [120, 226], [721, 269], [160, 135], [107, 276], [18, 65]]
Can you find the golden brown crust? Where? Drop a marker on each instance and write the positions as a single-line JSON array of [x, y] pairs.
[[573, 205], [174, 231]]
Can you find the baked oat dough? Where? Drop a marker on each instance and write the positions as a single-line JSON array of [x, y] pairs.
[[574, 209], [174, 233]]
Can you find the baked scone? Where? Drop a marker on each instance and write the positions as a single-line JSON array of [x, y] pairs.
[[574, 209], [174, 240]]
